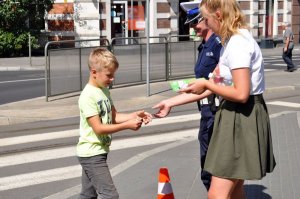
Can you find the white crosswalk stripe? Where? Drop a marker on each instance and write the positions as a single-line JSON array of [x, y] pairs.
[[287, 104], [268, 70], [279, 64], [39, 177]]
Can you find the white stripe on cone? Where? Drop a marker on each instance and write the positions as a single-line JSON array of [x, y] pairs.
[[164, 188]]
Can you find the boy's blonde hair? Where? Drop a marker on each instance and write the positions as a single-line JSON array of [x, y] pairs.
[[232, 17], [102, 58]]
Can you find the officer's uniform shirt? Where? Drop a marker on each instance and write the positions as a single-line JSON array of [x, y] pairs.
[[208, 58]]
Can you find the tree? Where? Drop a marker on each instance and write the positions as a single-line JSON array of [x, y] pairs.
[[18, 18]]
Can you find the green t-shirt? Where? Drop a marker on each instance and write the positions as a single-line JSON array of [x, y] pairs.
[[94, 101]]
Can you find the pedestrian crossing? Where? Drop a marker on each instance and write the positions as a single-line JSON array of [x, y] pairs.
[[275, 62], [28, 159], [33, 176]]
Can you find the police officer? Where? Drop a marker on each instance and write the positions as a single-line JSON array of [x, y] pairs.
[[208, 58]]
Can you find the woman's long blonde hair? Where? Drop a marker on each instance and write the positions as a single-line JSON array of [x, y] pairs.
[[231, 19]]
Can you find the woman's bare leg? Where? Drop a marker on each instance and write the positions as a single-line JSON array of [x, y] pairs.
[[221, 188], [238, 191]]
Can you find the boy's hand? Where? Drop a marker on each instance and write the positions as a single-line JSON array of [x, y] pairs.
[[145, 117], [163, 111], [134, 124]]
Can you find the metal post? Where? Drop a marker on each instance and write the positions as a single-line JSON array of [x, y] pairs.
[[46, 70], [80, 68], [148, 49], [131, 21], [29, 44]]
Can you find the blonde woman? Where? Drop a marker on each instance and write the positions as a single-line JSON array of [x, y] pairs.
[[241, 144]]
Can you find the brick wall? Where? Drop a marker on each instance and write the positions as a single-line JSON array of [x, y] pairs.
[[163, 8], [60, 20], [296, 20], [58, 11], [62, 8]]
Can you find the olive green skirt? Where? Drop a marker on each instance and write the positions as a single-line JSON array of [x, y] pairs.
[[241, 143]]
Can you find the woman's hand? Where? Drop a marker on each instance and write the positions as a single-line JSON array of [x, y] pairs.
[[164, 109], [197, 87]]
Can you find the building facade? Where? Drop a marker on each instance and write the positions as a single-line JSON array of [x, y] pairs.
[[94, 19]]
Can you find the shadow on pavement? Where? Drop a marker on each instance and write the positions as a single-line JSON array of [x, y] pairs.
[[254, 191]]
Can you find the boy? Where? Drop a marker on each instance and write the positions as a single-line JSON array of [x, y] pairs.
[[98, 120]]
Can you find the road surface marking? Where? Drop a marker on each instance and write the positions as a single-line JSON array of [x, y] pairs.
[[51, 175], [268, 70], [122, 167], [38, 137], [75, 190], [23, 80], [49, 154], [287, 104], [22, 180], [279, 64], [75, 132]]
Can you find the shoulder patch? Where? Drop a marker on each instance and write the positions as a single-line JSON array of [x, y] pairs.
[[218, 40]]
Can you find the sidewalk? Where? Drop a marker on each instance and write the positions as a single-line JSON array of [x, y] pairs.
[[22, 63], [37, 109], [125, 99]]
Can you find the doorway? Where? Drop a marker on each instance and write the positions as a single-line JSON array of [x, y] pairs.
[[119, 19], [183, 29]]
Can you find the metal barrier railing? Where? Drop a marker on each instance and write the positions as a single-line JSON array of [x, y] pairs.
[[170, 58], [132, 58], [63, 65], [182, 56]]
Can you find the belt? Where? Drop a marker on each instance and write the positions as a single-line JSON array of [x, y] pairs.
[[206, 101], [256, 98]]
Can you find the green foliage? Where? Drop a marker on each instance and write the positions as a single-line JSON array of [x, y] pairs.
[[15, 45], [18, 18], [6, 43]]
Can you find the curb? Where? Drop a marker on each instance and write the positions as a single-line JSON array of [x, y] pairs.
[[19, 68], [10, 68]]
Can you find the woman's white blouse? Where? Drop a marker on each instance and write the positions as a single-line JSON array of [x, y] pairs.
[[242, 51]]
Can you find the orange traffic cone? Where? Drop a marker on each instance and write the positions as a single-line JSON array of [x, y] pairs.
[[164, 186]]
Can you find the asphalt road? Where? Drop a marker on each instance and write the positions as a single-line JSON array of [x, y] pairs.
[[21, 85]]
